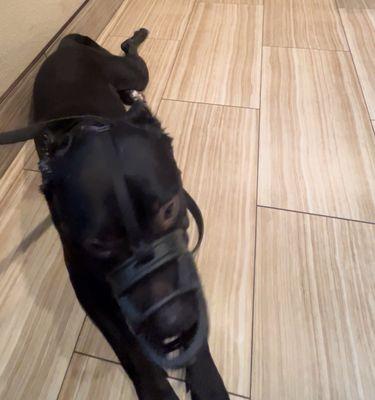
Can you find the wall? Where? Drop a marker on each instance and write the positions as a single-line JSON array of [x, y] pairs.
[[26, 26]]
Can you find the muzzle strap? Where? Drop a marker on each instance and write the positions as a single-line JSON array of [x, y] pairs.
[[197, 215]]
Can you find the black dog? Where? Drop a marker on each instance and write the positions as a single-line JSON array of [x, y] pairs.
[[116, 198]]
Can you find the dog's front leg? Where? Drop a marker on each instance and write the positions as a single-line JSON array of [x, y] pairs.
[[149, 380], [203, 379]]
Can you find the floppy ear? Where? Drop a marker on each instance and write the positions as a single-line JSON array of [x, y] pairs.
[[21, 135], [56, 145]]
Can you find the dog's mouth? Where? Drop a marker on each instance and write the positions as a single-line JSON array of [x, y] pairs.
[[174, 351], [180, 350], [173, 346]]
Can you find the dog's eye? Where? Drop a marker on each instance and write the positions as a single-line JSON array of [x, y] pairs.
[[98, 247], [168, 212], [105, 248]]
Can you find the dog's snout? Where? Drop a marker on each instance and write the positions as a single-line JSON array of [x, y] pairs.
[[174, 318]]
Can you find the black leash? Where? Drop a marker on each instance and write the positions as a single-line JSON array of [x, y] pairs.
[[30, 132]]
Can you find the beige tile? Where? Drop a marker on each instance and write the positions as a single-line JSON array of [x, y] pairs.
[[303, 23], [15, 169], [219, 61], [314, 332], [92, 342], [159, 55], [248, 2], [216, 150], [165, 19], [31, 162], [40, 317], [89, 378], [15, 111], [317, 148], [360, 31], [356, 3]]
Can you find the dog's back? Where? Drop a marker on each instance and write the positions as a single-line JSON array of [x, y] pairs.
[[74, 80]]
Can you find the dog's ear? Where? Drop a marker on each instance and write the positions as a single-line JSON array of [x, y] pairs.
[[57, 145]]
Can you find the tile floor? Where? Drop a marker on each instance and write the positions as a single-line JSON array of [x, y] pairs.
[[272, 106]]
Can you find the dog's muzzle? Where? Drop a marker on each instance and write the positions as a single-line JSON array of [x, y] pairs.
[[147, 259], [169, 248]]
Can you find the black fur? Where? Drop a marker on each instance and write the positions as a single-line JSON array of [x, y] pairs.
[[83, 78]]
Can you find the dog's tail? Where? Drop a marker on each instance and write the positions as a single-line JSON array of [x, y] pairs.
[[130, 46]]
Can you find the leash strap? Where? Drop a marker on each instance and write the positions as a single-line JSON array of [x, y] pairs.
[[30, 132]]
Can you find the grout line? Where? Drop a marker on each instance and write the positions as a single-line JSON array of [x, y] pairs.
[[80, 332], [97, 358], [30, 170], [308, 48], [231, 393], [71, 358], [210, 104], [256, 217], [178, 52], [354, 65], [148, 37], [168, 377], [316, 215]]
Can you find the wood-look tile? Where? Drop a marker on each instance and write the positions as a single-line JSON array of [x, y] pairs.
[[15, 113], [216, 148], [314, 332], [31, 162], [92, 342], [89, 378], [159, 56], [165, 19], [220, 58], [90, 21], [15, 168], [248, 2], [303, 23], [317, 147], [360, 31], [40, 317], [356, 3]]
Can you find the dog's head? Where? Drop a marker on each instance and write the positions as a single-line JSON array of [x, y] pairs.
[[113, 187]]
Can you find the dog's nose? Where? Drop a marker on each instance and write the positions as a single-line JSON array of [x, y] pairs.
[[175, 318]]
